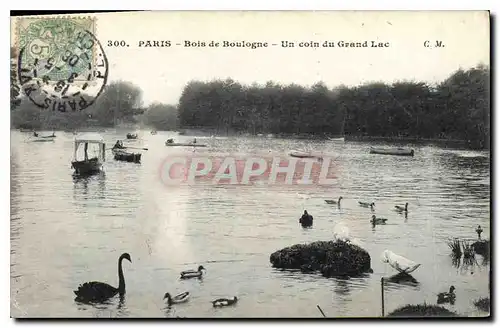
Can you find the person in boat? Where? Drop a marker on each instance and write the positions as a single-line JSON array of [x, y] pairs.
[[35, 134], [118, 145], [306, 220], [194, 141]]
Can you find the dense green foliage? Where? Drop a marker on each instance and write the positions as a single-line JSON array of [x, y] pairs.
[[458, 108]]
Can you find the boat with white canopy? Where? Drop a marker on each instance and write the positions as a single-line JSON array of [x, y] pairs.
[[92, 143]]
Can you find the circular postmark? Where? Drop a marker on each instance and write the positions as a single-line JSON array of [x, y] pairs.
[[61, 66]]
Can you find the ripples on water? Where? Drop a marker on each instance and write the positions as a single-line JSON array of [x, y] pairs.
[[65, 231]]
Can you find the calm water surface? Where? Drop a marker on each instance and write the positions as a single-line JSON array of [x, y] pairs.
[[65, 232]]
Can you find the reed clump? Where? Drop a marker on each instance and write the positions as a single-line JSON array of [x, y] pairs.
[[468, 251], [456, 251], [483, 304]]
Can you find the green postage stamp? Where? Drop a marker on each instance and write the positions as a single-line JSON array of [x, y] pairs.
[[60, 43]]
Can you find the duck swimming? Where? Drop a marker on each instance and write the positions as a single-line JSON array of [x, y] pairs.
[[375, 220], [98, 292], [334, 202], [365, 204], [479, 230], [401, 208], [447, 297], [192, 273], [181, 298], [224, 302]]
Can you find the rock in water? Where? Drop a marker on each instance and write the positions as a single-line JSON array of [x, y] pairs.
[[331, 258], [482, 247]]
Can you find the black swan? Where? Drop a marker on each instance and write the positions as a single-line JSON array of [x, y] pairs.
[[97, 292]]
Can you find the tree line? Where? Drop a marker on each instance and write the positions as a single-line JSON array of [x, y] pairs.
[[120, 102], [458, 108]]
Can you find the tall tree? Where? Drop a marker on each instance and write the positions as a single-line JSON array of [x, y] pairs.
[[120, 101]]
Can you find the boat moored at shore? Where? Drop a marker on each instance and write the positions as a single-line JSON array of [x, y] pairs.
[[392, 151]]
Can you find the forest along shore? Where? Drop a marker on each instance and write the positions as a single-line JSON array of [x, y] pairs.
[[455, 110]]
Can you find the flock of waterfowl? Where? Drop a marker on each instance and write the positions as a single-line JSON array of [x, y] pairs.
[[403, 265], [374, 220], [99, 292]]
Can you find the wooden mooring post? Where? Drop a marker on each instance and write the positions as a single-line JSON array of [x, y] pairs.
[[382, 294]]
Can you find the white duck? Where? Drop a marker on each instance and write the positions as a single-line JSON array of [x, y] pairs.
[[400, 263]]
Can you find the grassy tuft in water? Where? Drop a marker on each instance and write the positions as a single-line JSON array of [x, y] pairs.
[[456, 251], [483, 304], [467, 250], [422, 310]]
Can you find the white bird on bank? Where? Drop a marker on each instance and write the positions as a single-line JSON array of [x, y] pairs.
[[398, 262], [341, 232]]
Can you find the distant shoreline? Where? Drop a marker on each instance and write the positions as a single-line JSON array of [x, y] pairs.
[[206, 132]]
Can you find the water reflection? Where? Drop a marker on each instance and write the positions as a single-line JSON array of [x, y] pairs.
[[342, 286], [471, 177], [107, 308], [170, 228], [81, 186], [402, 279]]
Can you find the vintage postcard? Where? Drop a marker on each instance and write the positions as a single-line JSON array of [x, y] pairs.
[[246, 164]]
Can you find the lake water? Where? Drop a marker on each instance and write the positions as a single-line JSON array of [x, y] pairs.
[[66, 232]]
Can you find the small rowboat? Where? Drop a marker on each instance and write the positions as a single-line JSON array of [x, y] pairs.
[[43, 139], [176, 144], [400, 263], [131, 136], [337, 139], [122, 155], [299, 154], [394, 151]]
